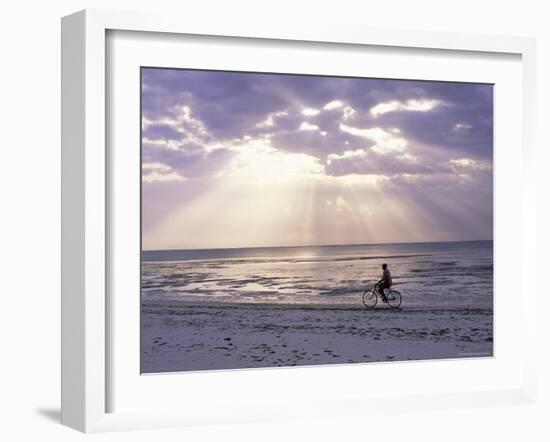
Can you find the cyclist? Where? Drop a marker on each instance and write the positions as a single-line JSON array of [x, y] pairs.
[[385, 282]]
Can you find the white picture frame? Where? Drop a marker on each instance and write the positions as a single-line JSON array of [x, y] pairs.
[[86, 206]]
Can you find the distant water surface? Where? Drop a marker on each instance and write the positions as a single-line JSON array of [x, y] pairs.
[[429, 275]]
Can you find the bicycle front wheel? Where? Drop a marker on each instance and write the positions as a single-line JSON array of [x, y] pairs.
[[394, 298], [369, 298]]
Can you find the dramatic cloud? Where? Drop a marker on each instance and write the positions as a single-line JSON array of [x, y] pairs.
[[409, 105], [385, 140], [306, 126], [245, 142], [335, 104], [309, 111]]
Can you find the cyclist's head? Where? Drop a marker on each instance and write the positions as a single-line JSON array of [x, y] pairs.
[[384, 266]]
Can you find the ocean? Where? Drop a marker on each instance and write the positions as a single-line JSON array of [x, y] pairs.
[[435, 275]]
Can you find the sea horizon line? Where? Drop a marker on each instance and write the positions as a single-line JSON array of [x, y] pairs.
[[316, 245]]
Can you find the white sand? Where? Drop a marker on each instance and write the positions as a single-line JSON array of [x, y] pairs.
[[179, 337]]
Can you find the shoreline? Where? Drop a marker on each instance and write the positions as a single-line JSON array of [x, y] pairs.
[[311, 306]]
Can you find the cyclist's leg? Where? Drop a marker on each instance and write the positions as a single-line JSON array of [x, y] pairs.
[[383, 287]]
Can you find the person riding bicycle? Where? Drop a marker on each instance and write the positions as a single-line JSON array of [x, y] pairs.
[[385, 282]]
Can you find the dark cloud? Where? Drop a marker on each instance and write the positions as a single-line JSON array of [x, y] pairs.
[[227, 105], [193, 161], [433, 165], [465, 104], [162, 132]]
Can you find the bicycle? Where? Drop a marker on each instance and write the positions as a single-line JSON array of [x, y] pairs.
[[370, 297]]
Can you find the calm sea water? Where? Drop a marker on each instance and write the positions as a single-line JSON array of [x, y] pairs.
[[428, 275]]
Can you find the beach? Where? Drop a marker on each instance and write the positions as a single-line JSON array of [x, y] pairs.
[[181, 337], [273, 307]]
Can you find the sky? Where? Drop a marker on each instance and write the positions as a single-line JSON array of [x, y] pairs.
[[233, 159]]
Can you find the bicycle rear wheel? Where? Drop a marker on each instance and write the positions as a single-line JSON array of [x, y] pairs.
[[394, 298], [369, 298]]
